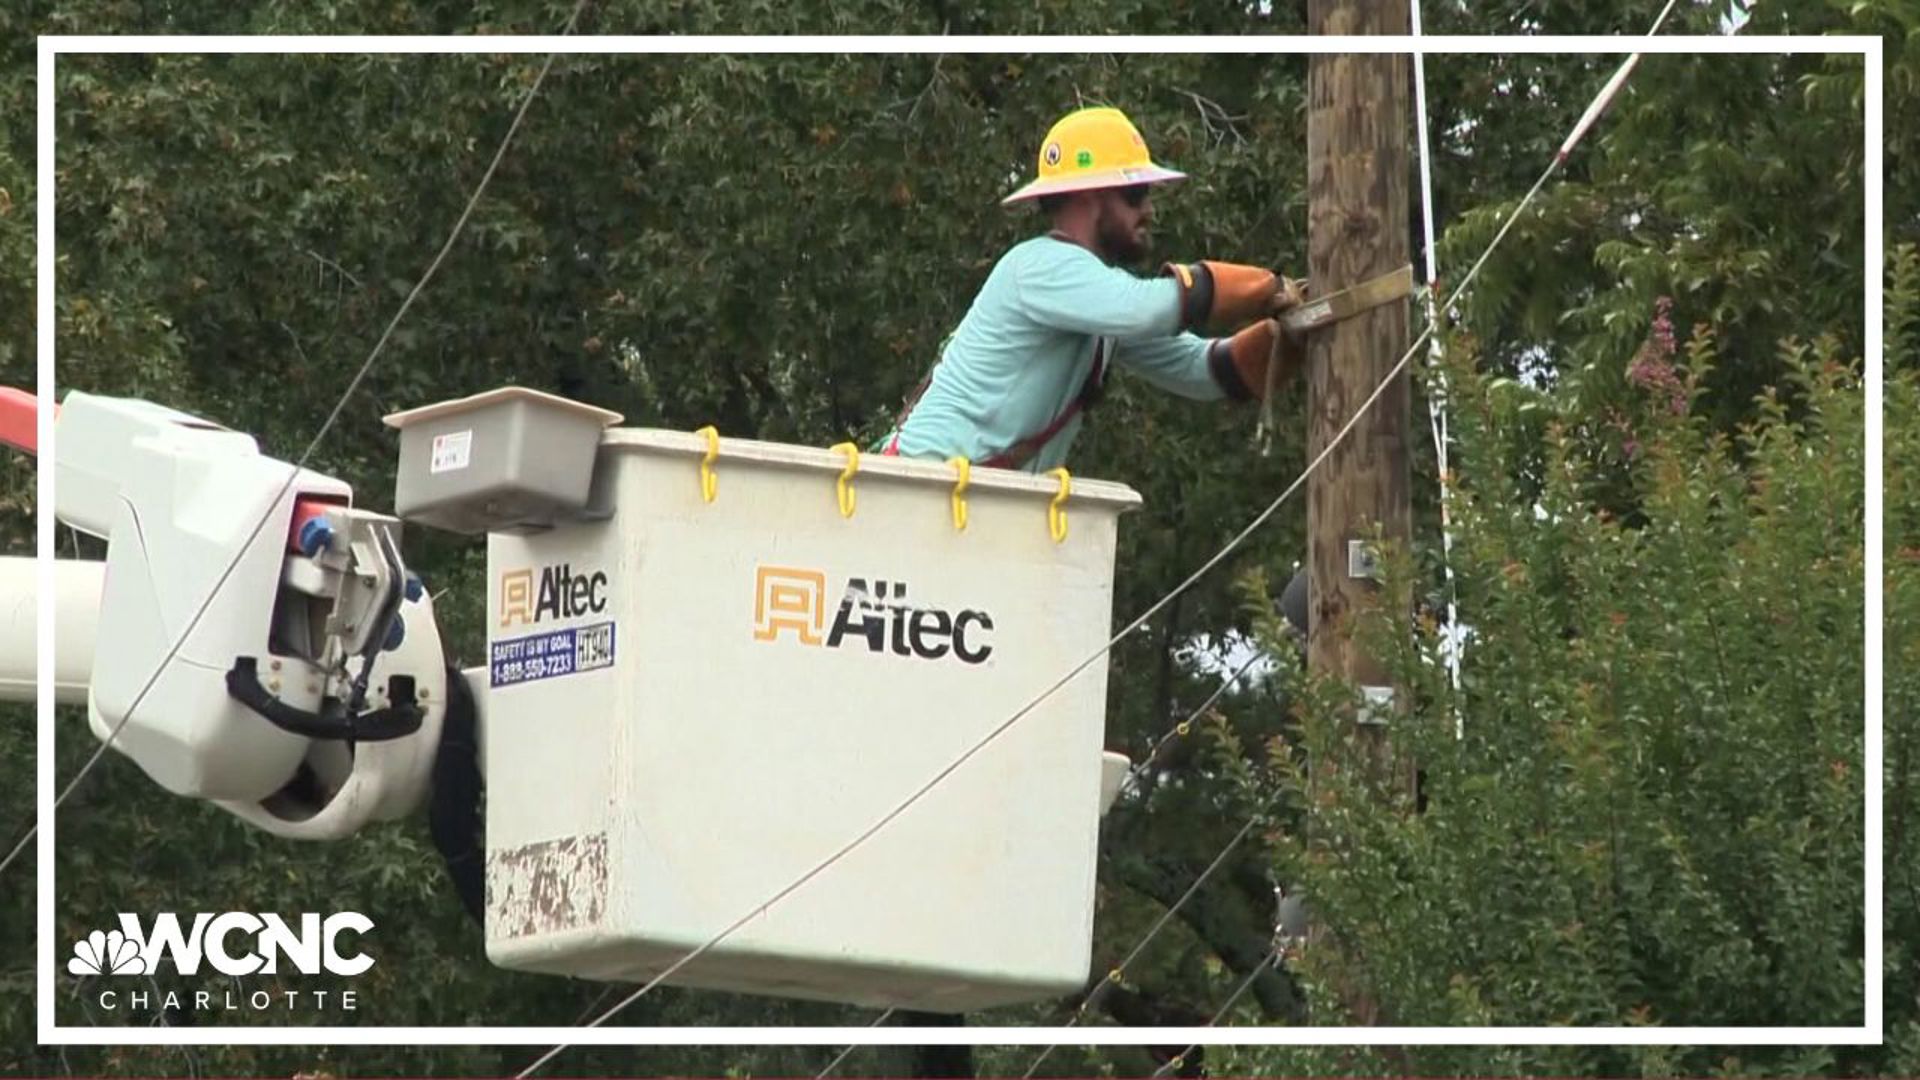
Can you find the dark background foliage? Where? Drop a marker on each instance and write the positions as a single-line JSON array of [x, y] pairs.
[[1655, 817]]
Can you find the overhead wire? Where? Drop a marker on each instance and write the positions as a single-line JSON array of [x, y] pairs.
[[847, 848], [1140, 620], [1591, 114], [1587, 119], [1271, 960], [1118, 971], [1182, 728], [1185, 726], [848, 1052], [306, 455]]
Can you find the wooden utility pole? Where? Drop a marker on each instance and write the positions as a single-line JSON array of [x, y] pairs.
[[1357, 132]]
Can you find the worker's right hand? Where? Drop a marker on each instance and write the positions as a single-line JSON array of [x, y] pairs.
[[1239, 363], [1224, 296]]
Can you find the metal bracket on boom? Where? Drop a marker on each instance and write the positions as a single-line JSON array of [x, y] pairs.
[[334, 719]]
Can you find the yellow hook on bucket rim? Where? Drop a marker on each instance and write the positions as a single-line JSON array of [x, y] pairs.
[[1056, 510], [965, 469], [709, 483], [843, 487]]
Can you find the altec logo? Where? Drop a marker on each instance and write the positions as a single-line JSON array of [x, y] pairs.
[[793, 601], [562, 594], [276, 947]]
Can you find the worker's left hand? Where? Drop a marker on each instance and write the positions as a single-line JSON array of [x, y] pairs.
[[1222, 297], [1291, 293]]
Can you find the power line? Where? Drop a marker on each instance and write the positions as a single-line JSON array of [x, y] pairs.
[[1593, 111], [1272, 959], [1179, 729], [1003, 726], [1612, 87], [844, 1054], [1185, 727], [1135, 624], [327, 426], [1114, 976]]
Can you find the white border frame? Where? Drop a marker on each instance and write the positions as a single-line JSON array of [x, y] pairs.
[[1869, 1033]]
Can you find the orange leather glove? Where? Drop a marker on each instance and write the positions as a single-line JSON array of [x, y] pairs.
[[1239, 363], [1223, 295]]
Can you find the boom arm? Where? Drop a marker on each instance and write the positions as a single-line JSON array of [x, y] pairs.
[[255, 640]]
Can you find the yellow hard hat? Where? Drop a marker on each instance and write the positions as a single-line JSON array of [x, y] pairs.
[[1093, 148]]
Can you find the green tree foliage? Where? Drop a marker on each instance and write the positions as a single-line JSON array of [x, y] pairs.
[[1658, 815], [1644, 804]]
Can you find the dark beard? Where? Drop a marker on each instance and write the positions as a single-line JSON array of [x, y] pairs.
[[1118, 247]]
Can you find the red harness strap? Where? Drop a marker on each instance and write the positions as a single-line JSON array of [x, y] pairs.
[[1022, 451]]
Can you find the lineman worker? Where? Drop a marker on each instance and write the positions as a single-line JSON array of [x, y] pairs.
[[1058, 312]]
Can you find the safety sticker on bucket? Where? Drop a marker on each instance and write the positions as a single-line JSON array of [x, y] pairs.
[[551, 654]]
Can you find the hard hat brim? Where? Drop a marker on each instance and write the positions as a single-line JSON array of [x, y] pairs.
[[1108, 178]]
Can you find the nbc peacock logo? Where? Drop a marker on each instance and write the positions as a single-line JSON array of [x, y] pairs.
[[106, 952]]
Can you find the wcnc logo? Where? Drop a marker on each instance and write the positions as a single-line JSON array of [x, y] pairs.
[[794, 601], [231, 944], [562, 594], [311, 950]]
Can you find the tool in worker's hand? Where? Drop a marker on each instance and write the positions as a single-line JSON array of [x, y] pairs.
[[1369, 294], [1304, 316]]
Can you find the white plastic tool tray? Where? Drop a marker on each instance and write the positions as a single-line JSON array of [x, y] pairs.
[[508, 459]]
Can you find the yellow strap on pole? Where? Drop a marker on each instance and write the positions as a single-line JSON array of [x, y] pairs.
[[1371, 293]]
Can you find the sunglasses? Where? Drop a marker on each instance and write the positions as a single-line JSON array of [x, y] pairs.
[[1136, 195]]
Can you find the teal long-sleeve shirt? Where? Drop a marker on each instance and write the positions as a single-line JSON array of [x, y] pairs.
[[1026, 347]]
